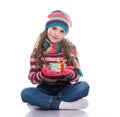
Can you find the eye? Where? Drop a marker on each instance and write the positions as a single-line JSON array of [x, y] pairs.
[[54, 28], [62, 31]]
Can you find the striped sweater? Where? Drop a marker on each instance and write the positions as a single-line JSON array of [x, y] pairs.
[[37, 77]]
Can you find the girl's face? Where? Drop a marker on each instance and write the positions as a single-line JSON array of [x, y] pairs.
[[56, 34]]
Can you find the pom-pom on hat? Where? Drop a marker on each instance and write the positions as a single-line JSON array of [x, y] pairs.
[[59, 18]]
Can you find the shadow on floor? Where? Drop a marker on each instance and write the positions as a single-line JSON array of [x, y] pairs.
[[57, 113]]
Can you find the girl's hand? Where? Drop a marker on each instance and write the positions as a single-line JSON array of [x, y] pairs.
[[68, 70], [48, 72]]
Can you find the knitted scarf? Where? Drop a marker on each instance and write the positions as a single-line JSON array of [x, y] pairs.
[[50, 48]]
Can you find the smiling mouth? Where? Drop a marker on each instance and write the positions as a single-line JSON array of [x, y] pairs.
[[54, 37]]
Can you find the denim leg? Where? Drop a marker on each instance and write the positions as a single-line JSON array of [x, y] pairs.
[[74, 92], [49, 97], [52, 90], [35, 97]]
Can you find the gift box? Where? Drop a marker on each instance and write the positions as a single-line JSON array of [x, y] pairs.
[[59, 66]]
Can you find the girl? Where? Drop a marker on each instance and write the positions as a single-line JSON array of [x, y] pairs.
[[55, 69]]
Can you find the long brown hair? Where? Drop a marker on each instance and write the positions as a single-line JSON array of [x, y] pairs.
[[38, 48]]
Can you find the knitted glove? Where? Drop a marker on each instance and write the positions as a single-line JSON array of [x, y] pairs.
[[46, 72], [67, 71]]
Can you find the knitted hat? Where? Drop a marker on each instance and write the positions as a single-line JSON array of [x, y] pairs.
[[59, 18]]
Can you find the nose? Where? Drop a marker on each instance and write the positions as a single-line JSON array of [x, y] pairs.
[[56, 33]]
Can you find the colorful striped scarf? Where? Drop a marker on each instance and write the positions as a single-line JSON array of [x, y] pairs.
[[50, 48]]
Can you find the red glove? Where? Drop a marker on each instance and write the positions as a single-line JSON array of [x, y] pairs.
[[53, 74], [48, 72], [68, 70]]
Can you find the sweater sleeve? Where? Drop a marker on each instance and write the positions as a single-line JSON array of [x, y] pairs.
[[73, 77], [76, 73], [35, 73]]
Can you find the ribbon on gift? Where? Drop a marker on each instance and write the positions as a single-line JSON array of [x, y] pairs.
[[62, 63]]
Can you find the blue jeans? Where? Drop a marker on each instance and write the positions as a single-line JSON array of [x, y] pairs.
[[49, 96]]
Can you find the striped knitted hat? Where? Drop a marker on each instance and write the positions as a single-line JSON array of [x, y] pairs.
[[59, 18]]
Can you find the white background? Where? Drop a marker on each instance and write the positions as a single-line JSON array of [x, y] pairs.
[[95, 32]]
